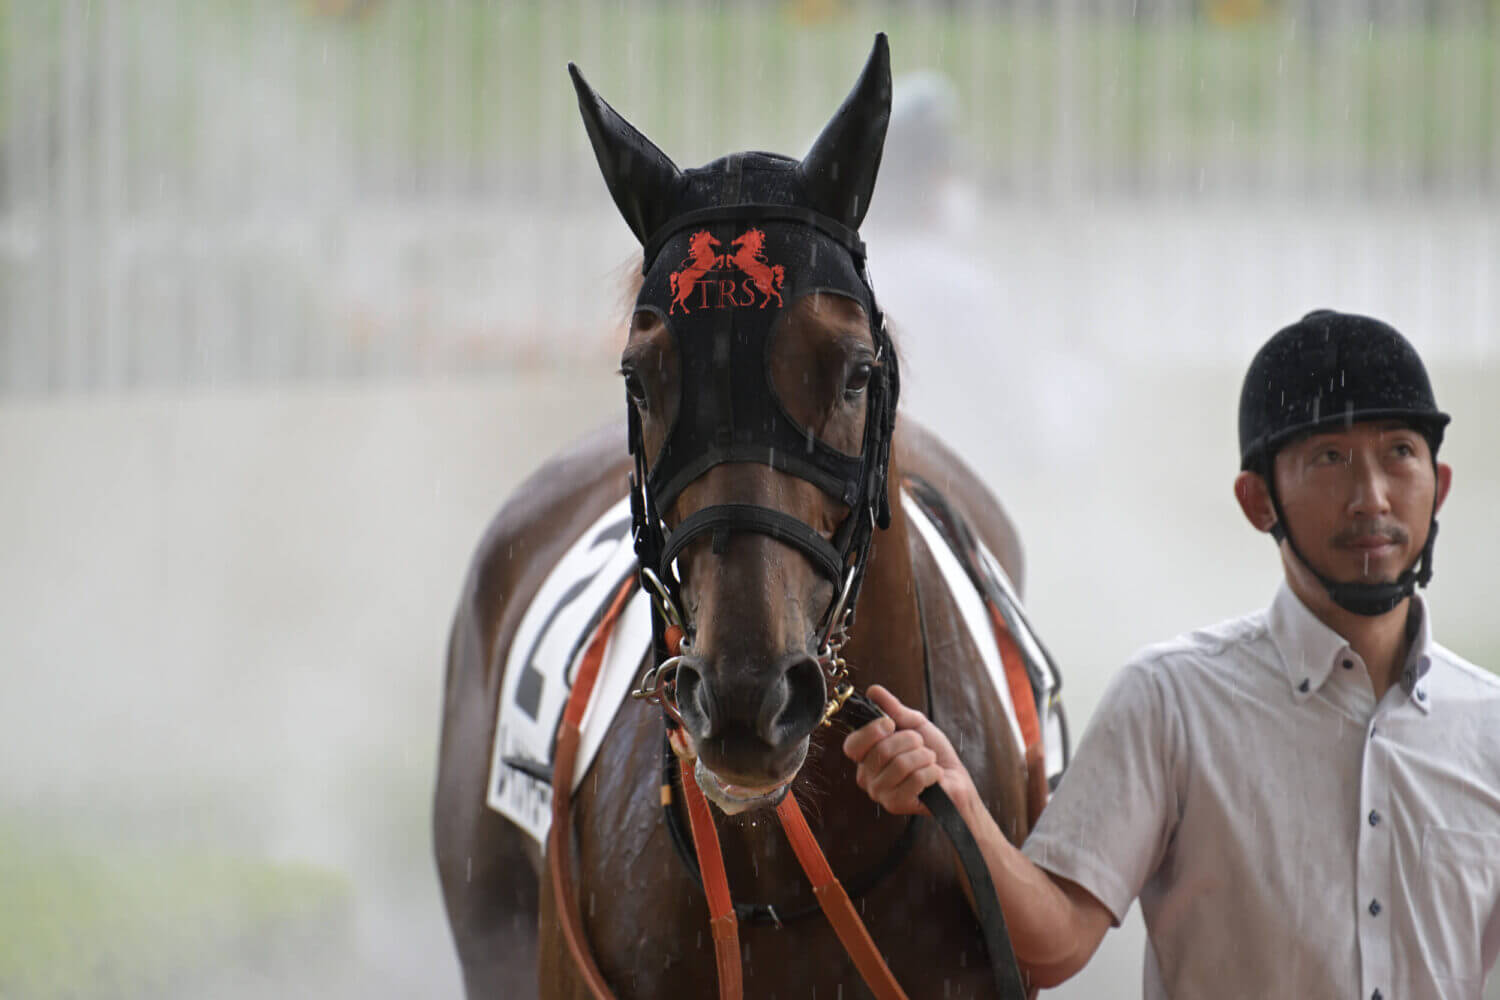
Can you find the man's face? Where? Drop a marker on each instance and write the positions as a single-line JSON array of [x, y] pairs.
[[1359, 500]]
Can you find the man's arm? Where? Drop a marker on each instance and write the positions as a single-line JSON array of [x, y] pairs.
[[1055, 925]]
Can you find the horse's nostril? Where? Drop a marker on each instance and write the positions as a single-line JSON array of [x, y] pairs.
[[793, 706], [693, 701]]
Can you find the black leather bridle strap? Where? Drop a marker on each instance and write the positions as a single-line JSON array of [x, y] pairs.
[[861, 710], [1003, 965], [986, 902], [761, 520]]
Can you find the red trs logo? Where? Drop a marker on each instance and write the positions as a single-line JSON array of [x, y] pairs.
[[711, 273]]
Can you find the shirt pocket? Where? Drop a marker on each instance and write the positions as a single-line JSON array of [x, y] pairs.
[[1460, 894]]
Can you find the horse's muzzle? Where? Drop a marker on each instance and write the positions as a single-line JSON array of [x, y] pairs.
[[749, 726]]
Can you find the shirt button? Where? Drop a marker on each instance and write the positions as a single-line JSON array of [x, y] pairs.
[[1421, 695], [1375, 996], [1304, 686], [1374, 818], [1348, 664], [1374, 907]]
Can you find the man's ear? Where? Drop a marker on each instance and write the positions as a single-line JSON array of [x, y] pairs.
[[1444, 484], [1255, 500]]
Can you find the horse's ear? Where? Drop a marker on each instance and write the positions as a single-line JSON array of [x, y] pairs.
[[642, 179], [838, 173]]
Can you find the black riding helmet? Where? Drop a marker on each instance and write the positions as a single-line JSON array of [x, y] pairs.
[[1332, 369]]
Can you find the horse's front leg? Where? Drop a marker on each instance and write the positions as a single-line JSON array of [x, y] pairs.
[[495, 932], [486, 865]]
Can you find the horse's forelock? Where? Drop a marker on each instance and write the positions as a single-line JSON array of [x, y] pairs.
[[627, 281], [893, 330]]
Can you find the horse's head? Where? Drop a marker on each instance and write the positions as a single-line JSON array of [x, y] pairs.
[[761, 434], [750, 686]]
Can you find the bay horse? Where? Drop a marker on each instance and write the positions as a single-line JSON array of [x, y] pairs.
[[750, 688]]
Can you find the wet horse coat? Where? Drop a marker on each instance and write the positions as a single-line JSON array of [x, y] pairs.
[[774, 528], [631, 874]]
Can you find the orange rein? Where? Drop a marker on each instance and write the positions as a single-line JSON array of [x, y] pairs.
[[560, 835], [835, 903], [830, 894]]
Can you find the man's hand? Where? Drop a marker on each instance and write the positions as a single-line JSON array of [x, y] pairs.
[[1054, 924], [901, 755]]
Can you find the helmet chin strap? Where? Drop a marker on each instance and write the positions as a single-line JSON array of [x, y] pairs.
[[1368, 599]]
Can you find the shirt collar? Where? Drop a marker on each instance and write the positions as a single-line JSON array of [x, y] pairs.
[[1310, 649], [1414, 680]]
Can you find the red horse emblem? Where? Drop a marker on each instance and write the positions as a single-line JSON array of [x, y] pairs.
[[711, 274], [700, 261], [751, 259]]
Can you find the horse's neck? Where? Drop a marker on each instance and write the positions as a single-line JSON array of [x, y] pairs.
[[885, 645]]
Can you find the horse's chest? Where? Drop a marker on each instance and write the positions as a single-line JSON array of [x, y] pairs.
[[655, 940]]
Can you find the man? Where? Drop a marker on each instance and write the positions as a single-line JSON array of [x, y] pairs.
[[1305, 800]]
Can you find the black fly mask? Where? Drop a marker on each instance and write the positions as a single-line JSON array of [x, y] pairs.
[[729, 247]]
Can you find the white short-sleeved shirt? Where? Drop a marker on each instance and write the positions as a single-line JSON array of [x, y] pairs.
[[1286, 835]]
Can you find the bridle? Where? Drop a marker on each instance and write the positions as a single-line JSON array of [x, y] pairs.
[[730, 413], [658, 684]]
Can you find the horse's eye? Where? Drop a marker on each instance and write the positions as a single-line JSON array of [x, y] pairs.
[[858, 380], [634, 390]]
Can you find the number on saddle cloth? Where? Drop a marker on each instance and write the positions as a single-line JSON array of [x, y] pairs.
[[553, 632]]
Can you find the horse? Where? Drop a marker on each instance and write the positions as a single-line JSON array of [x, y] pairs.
[[751, 259], [751, 692]]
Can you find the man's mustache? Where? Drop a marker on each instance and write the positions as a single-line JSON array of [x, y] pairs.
[[1394, 533]]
